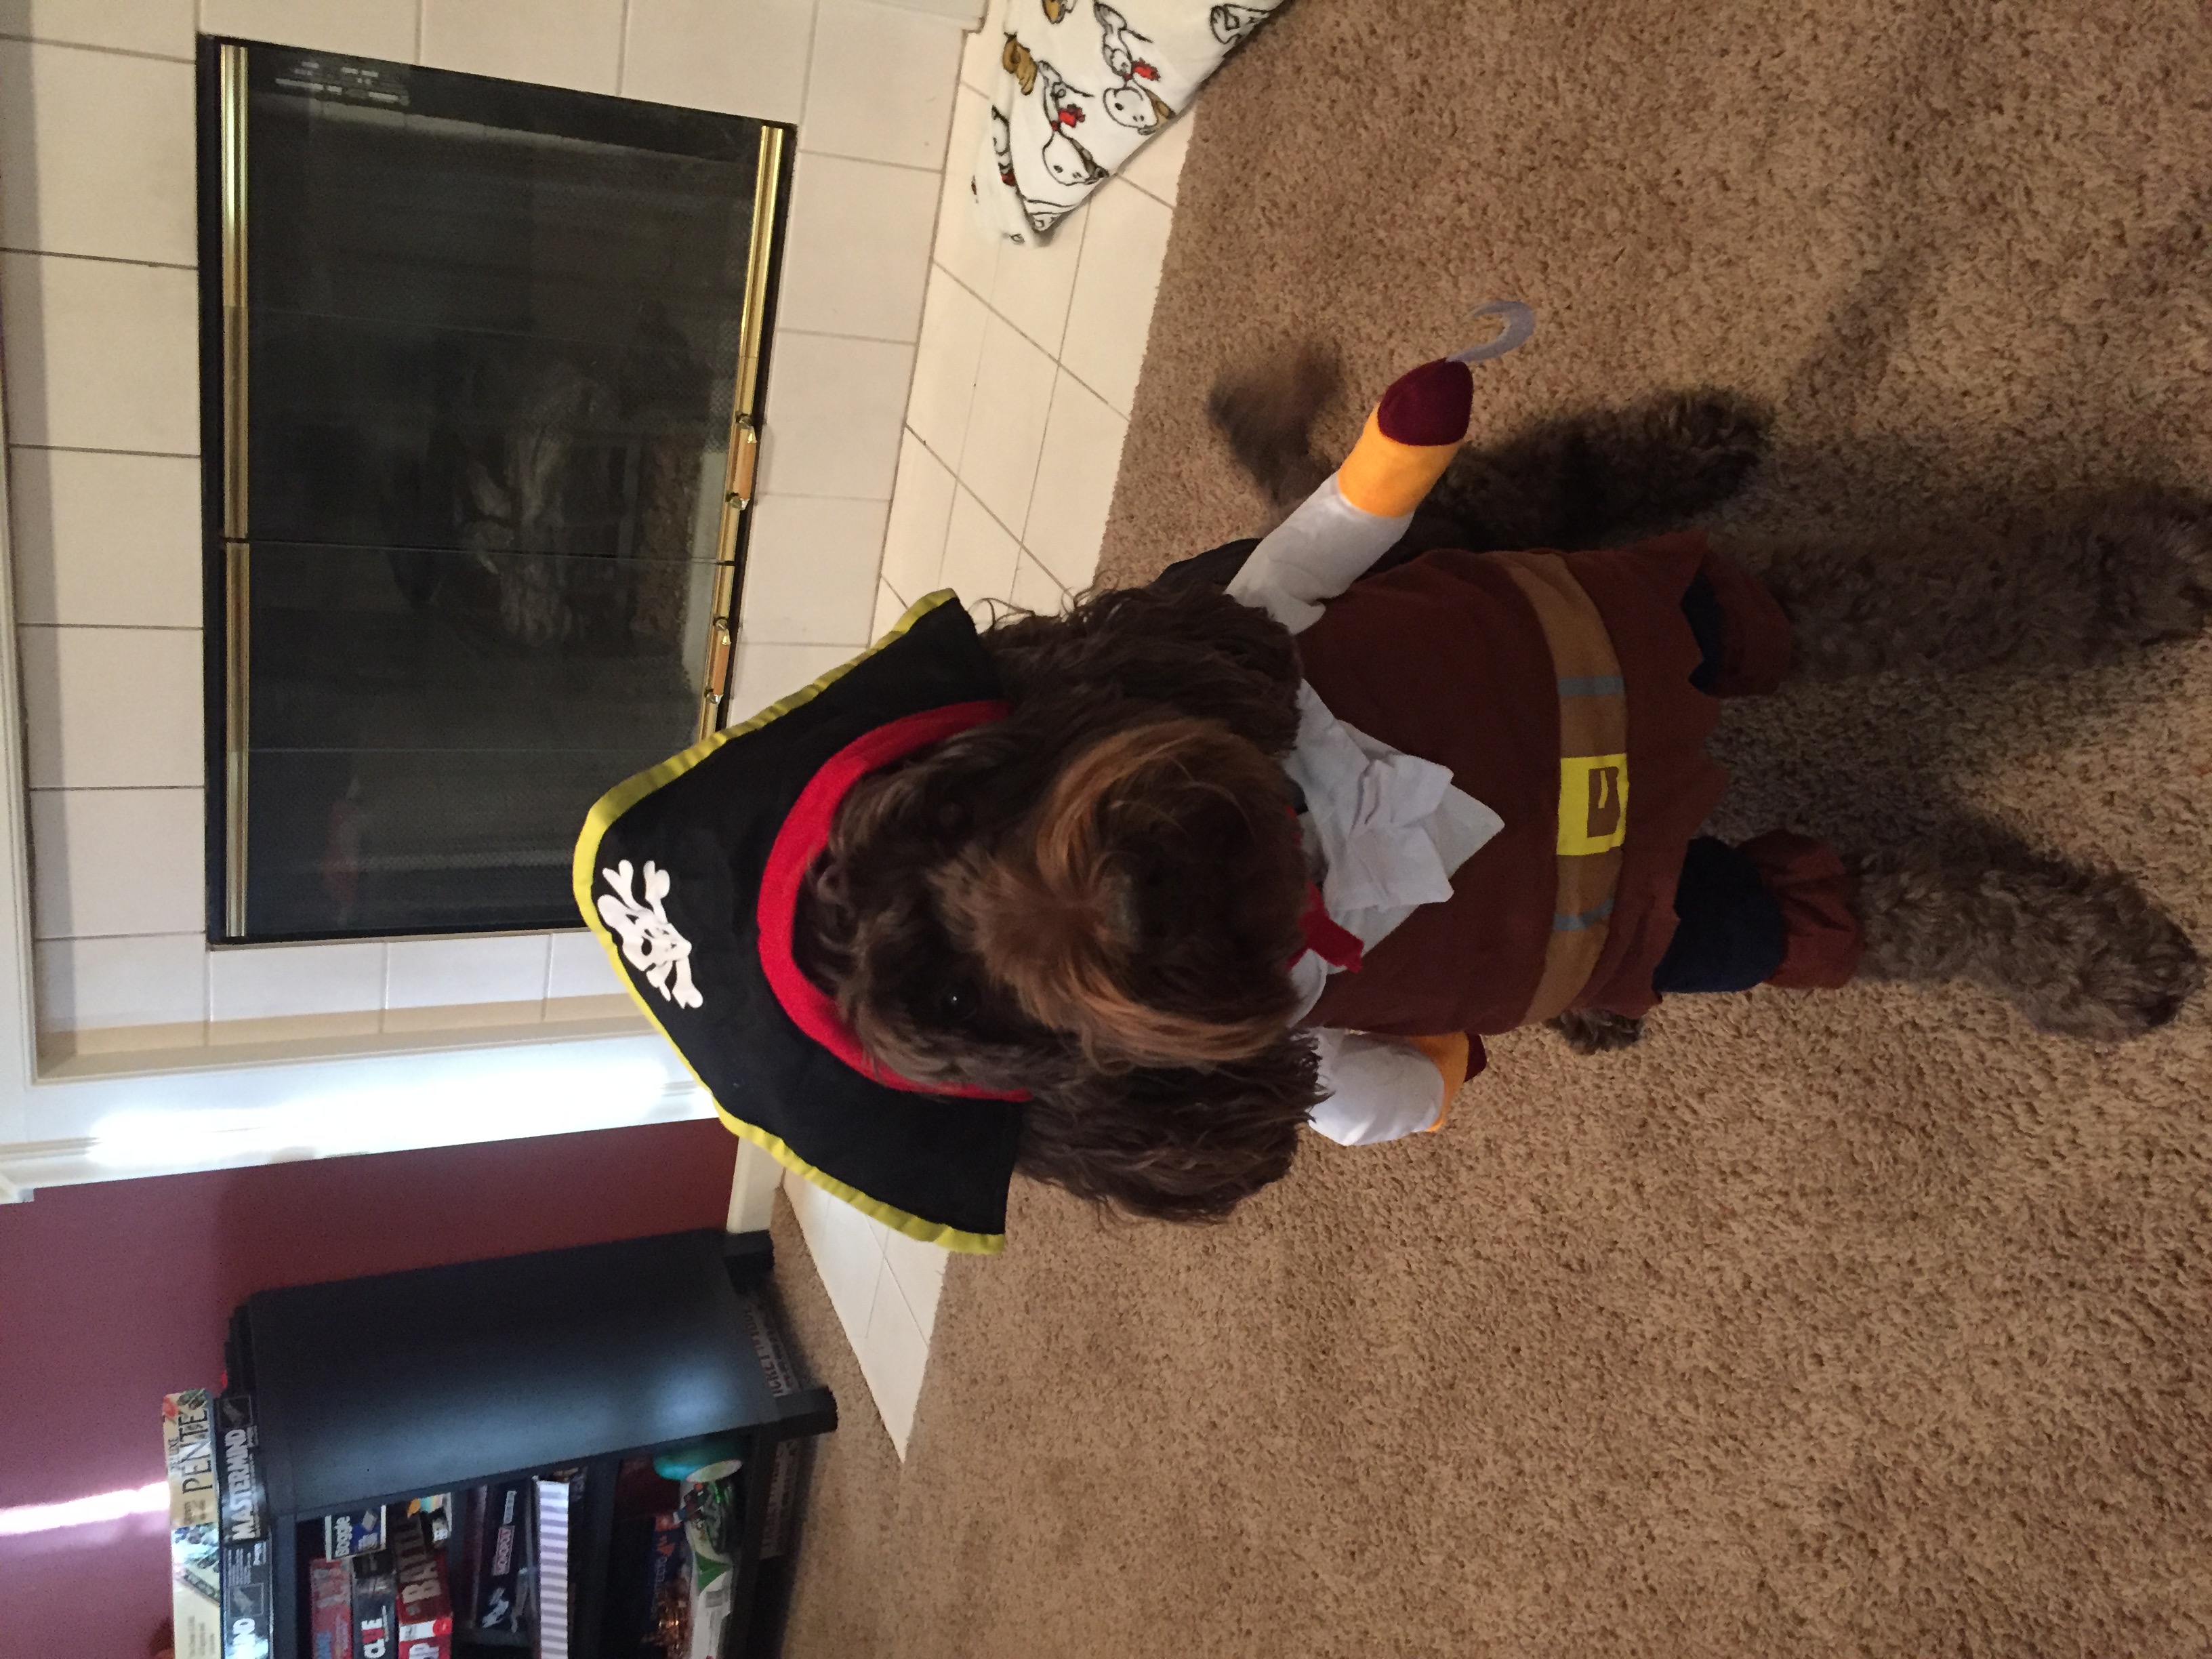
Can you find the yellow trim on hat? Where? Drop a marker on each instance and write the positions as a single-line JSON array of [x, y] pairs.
[[928, 1232], [583, 871]]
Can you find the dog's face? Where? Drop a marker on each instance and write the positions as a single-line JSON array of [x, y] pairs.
[[932, 1011], [1095, 885]]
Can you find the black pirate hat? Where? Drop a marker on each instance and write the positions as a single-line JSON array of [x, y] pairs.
[[689, 874]]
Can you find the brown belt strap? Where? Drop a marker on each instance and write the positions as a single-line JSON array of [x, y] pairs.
[[1593, 775]]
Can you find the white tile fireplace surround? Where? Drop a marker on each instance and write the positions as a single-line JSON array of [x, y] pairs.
[[98, 284], [128, 1045]]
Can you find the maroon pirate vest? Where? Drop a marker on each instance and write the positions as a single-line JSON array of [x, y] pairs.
[[1448, 658]]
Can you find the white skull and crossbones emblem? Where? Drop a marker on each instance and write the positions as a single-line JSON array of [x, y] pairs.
[[649, 941]]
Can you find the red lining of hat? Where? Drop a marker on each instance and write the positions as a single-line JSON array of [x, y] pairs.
[[805, 832]]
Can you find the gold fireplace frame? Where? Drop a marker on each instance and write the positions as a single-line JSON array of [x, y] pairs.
[[743, 456], [740, 464], [237, 532]]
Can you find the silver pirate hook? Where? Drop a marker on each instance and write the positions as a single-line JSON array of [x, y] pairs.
[[1520, 328]]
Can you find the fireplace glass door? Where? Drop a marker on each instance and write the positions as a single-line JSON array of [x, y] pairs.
[[485, 365]]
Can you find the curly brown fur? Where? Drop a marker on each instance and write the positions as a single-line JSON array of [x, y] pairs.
[[1605, 474], [2122, 572], [992, 910], [1198, 652], [2081, 953], [1037, 898], [1596, 1030], [1105, 912], [1176, 1144], [1266, 413]]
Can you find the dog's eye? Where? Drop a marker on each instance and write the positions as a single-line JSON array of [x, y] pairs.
[[955, 1002]]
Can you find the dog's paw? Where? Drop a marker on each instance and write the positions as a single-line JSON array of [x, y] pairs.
[[2151, 557], [1595, 1031], [2097, 960], [2081, 953]]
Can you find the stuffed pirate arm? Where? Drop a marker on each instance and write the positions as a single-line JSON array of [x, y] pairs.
[[1386, 1088], [1363, 508]]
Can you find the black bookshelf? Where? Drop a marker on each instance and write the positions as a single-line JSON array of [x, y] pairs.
[[375, 1390]]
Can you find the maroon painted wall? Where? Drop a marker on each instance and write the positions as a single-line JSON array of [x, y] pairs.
[[111, 1295]]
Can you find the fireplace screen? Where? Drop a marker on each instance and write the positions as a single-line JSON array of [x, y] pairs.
[[484, 363]]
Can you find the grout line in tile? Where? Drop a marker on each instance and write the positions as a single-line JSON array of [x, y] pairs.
[[780, 495], [875, 161], [102, 258], [87, 449], [1028, 501], [1044, 569], [953, 278], [137, 933], [872, 339], [1105, 399], [1140, 188], [928, 1332], [109, 52], [94, 789], [806, 87], [622, 46], [868, 1323], [1036, 468], [807, 495], [951, 466], [962, 484], [135, 628], [944, 169], [959, 281]]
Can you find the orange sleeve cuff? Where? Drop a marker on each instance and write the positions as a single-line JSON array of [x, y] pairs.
[[1450, 1054], [1388, 478]]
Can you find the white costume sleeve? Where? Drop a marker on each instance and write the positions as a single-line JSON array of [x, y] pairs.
[[1378, 1090], [1364, 507], [1321, 550]]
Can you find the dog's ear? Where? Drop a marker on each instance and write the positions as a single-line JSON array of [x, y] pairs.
[[1266, 411]]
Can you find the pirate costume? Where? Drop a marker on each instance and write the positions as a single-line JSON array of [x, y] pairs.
[[1501, 769]]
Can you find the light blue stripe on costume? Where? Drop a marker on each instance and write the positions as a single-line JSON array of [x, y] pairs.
[[1589, 918], [1593, 685]]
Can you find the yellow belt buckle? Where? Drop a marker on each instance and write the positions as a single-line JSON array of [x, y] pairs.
[[1593, 804]]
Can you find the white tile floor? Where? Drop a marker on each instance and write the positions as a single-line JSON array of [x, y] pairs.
[[1023, 378]]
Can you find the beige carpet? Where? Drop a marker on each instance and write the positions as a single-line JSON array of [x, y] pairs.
[[1869, 1323]]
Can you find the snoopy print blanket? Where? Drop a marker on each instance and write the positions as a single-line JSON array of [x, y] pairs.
[[1082, 85]]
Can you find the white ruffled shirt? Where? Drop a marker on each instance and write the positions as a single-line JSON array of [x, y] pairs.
[[1391, 829]]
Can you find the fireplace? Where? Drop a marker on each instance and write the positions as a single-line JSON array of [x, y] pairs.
[[484, 364]]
